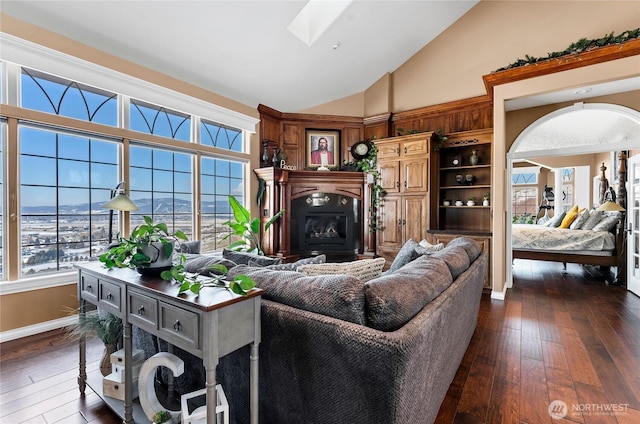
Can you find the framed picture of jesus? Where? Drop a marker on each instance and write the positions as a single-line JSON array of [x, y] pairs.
[[323, 149]]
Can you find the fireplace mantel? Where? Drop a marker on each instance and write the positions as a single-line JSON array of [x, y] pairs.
[[283, 185]]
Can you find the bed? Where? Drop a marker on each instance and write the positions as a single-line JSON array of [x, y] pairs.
[[564, 245]]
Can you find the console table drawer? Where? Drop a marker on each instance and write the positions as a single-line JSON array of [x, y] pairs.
[[178, 325], [110, 295], [143, 310], [89, 287]]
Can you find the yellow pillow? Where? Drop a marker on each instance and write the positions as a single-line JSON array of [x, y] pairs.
[[571, 215]]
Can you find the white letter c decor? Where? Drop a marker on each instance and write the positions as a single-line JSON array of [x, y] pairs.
[[146, 389]]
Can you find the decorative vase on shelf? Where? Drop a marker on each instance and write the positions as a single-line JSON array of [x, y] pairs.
[[485, 202], [446, 203], [471, 203], [459, 203], [276, 158], [473, 160], [265, 154], [105, 362]]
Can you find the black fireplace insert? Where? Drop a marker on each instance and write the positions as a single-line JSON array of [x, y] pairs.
[[325, 223]]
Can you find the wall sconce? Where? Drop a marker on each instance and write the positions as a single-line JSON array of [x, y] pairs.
[[119, 202]]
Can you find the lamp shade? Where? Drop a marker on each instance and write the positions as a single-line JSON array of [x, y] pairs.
[[121, 202], [610, 206]]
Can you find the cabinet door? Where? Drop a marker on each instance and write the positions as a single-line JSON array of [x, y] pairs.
[[418, 148], [415, 216], [390, 236], [415, 175], [388, 150], [390, 176]]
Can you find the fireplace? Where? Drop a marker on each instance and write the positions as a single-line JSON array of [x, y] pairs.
[[323, 214], [325, 223]]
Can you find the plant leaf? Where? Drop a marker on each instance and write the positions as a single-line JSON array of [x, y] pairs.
[[240, 213]]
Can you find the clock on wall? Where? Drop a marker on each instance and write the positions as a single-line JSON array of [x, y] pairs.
[[361, 150]]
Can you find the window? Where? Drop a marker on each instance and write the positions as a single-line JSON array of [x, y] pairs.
[[47, 93], [67, 169], [524, 200], [3, 129], [161, 187], [64, 179], [220, 178], [567, 188], [151, 119], [217, 135]]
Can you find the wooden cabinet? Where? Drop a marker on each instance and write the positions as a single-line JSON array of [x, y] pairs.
[[462, 172], [403, 167]]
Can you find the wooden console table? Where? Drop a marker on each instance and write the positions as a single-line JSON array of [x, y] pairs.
[[209, 326]]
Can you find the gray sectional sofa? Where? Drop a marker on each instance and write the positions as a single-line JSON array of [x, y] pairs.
[[337, 350]]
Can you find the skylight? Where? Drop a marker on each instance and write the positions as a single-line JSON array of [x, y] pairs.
[[314, 19]]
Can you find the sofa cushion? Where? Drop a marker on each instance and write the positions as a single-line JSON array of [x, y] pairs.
[[337, 296], [188, 246], [365, 269], [320, 259], [473, 248], [392, 300], [456, 259], [245, 257], [200, 263], [430, 247], [406, 254]]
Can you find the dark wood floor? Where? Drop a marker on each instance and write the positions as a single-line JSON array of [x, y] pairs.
[[556, 337]]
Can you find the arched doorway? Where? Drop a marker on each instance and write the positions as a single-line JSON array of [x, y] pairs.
[[582, 127]]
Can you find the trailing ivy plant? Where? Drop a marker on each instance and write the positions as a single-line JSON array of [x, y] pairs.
[[579, 46], [194, 282]]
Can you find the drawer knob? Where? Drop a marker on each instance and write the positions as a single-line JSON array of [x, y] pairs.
[[109, 296], [141, 310], [177, 326], [89, 288]]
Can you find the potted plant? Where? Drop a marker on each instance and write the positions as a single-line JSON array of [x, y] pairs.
[[247, 228], [104, 325], [161, 417], [485, 199], [149, 248], [471, 201]]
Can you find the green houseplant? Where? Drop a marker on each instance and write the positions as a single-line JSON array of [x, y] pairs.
[[106, 327], [149, 248], [247, 228]]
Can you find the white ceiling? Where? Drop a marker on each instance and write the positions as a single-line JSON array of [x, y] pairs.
[[243, 50]]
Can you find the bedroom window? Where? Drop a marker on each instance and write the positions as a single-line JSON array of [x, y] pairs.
[[524, 200], [568, 185]]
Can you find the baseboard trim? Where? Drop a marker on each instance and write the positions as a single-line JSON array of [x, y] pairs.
[[31, 330], [499, 295]]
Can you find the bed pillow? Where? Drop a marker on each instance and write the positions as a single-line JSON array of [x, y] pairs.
[[569, 217], [580, 220], [365, 269], [594, 217], [556, 220], [607, 223]]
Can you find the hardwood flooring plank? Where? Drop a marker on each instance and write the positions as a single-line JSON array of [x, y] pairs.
[[476, 394], [504, 405], [591, 400], [578, 359], [533, 385], [561, 388]]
